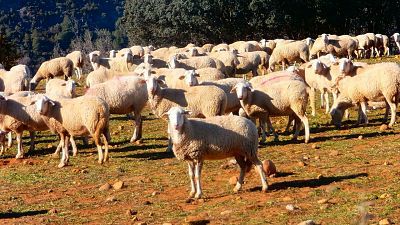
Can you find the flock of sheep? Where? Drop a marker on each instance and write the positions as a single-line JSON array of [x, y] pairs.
[[196, 90]]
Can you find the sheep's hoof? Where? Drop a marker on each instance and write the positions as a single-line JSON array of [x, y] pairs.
[[100, 161], [19, 156], [105, 159], [264, 189], [62, 164], [306, 141], [191, 194], [74, 154], [198, 195]]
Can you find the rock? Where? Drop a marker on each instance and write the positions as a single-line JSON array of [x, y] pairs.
[[291, 207], [146, 202], [314, 146], [233, 180], [360, 137], [118, 185], [121, 127], [306, 158], [49, 146], [226, 212], [84, 171], [155, 193], [269, 167], [53, 211], [385, 222], [105, 187], [301, 163], [131, 212], [383, 127], [141, 223], [334, 153], [111, 199], [201, 200], [50, 191], [322, 201], [307, 222], [138, 142]]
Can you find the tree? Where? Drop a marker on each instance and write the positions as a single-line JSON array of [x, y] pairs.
[[8, 51]]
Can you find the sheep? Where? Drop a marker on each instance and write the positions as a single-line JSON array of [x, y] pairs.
[[113, 54], [61, 87], [229, 59], [119, 64], [243, 46], [148, 49], [124, 95], [91, 118], [61, 66], [204, 74], [100, 75], [204, 101], [137, 51], [123, 52], [382, 45], [377, 82], [371, 44], [15, 80], [363, 45], [195, 63], [269, 46], [278, 94], [249, 61], [196, 140], [163, 53], [77, 59], [155, 63], [289, 52], [207, 47], [337, 45], [396, 39], [220, 47]]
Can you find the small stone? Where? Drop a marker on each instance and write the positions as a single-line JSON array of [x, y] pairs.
[[201, 200], [233, 180], [111, 199], [151, 214], [301, 163], [317, 158], [105, 187], [75, 170], [290, 207], [307, 222], [53, 211], [269, 167], [146, 202], [118, 185], [306, 158], [386, 163], [84, 171], [360, 137], [314, 146], [334, 153], [322, 201], [385, 222], [383, 127], [49, 146], [138, 142], [141, 223], [131, 212], [155, 193], [226, 212], [121, 127], [50, 191]]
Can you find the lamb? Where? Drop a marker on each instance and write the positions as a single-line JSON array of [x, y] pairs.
[[91, 118], [124, 95], [229, 59], [119, 64], [379, 81], [196, 140], [61, 87], [289, 52], [340, 46], [279, 94], [61, 66], [396, 38], [77, 59], [204, 101]]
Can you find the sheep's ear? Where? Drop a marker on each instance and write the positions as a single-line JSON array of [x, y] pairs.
[[164, 116], [181, 77], [52, 102], [309, 65], [161, 82]]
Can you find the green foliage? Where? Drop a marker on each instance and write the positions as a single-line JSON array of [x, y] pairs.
[[8, 51]]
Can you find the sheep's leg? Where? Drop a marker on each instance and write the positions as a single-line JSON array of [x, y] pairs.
[[254, 72], [96, 138], [386, 112], [32, 144], [347, 114], [242, 164], [393, 107], [312, 101], [20, 151], [198, 167], [360, 117], [257, 163], [73, 144], [263, 134], [291, 121], [326, 95], [363, 106], [106, 139], [192, 180], [64, 155], [85, 140], [297, 129], [58, 149], [304, 119], [322, 100], [10, 140], [269, 125], [137, 134]]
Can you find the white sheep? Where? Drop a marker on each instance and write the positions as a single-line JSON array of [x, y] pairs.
[[124, 95], [195, 63], [77, 59], [196, 140], [15, 80], [288, 53], [113, 54], [137, 51], [207, 47], [229, 59], [377, 82], [203, 74], [220, 47], [396, 39], [123, 52], [340, 46], [61, 66], [382, 45], [278, 94], [90, 117], [248, 61], [119, 64], [148, 49], [61, 87]]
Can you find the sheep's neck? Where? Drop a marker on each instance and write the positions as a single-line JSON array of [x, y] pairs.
[[180, 140], [158, 104]]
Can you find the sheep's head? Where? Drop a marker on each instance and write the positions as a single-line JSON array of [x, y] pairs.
[[325, 38], [242, 90], [263, 43], [337, 111], [153, 84], [193, 52], [345, 65], [309, 41], [148, 58], [70, 86], [172, 62], [190, 77], [396, 37], [43, 104], [176, 118], [94, 56], [318, 67], [113, 54]]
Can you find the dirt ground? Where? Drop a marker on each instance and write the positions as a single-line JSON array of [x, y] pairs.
[[347, 176]]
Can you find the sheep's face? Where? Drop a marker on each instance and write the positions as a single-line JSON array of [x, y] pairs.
[[263, 43], [172, 62], [345, 65], [190, 77], [42, 105], [325, 38], [176, 118], [70, 87], [318, 67], [152, 84], [193, 52], [242, 90], [309, 41], [148, 58]]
